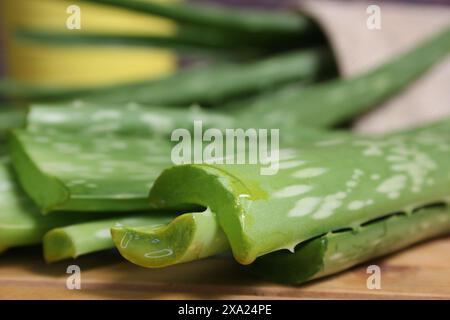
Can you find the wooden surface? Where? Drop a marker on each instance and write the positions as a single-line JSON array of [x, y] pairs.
[[422, 272]]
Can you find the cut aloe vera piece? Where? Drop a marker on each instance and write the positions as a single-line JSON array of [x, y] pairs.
[[335, 252], [61, 150], [113, 173], [190, 236], [206, 233], [207, 85], [79, 239], [66, 173], [208, 228], [21, 223], [332, 186]]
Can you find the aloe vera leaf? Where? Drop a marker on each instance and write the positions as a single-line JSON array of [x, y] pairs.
[[194, 85], [59, 154], [335, 252], [60, 145], [340, 100], [80, 118], [64, 172], [188, 237], [205, 226], [78, 239], [181, 42], [93, 174], [140, 121], [131, 120], [187, 39], [322, 105], [54, 144], [137, 120], [314, 193], [21, 223], [218, 84], [220, 17]]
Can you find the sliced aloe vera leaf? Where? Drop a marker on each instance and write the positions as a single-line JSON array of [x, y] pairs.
[[66, 173], [341, 100], [333, 186], [21, 223], [209, 230], [190, 236], [61, 150], [204, 85], [125, 167], [335, 252], [78, 239]]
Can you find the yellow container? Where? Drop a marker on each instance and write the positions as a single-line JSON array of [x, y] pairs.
[[83, 65]]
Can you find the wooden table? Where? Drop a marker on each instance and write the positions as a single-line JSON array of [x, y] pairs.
[[422, 272]]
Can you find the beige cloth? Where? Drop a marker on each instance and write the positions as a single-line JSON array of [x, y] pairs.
[[357, 49]]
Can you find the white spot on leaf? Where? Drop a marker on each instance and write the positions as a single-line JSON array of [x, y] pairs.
[[292, 191], [309, 173], [304, 206], [392, 186]]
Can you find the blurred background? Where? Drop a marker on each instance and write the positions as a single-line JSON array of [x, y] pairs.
[[93, 65]]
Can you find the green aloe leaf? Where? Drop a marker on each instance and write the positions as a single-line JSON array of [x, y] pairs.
[[341, 100], [220, 17], [131, 120], [135, 120], [66, 173], [61, 145], [187, 44], [195, 235], [187, 40], [194, 85], [21, 223], [335, 185], [74, 240], [63, 172], [55, 156], [334, 252], [127, 162]]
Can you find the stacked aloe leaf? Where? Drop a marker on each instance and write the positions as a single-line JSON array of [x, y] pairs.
[[92, 170]]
